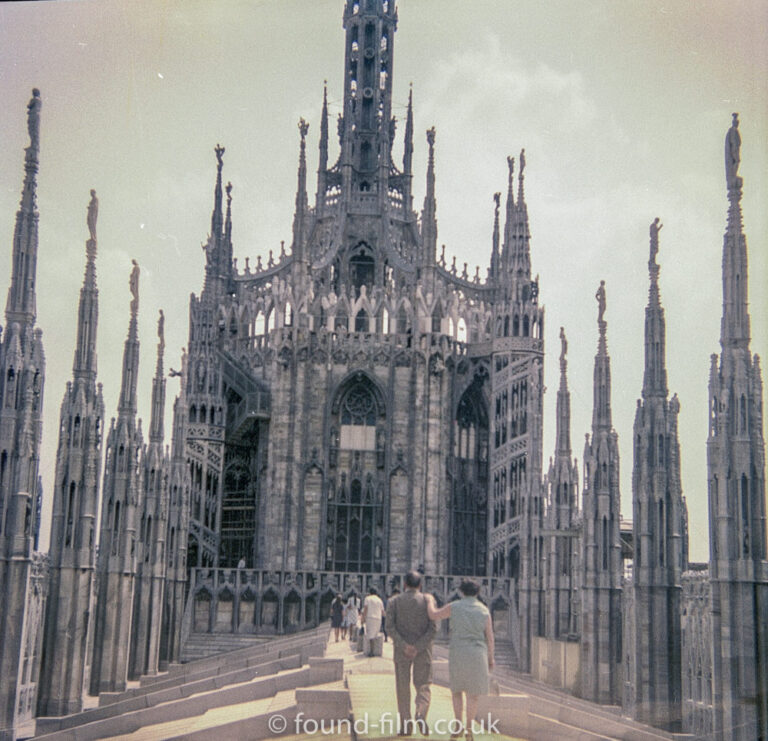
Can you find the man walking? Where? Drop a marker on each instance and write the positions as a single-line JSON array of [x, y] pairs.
[[412, 633], [373, 613]]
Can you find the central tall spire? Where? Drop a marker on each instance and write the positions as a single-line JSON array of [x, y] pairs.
[[88, 312], [366, 127], [601, 412], [127, 404], [21, 305], [655, 377], [734, 330]]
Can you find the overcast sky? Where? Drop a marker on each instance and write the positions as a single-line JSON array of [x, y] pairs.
[[622, 109]]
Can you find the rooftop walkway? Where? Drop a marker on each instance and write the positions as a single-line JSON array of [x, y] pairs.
[[309, 686]]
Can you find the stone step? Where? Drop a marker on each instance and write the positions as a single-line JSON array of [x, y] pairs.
[[156, 695], [276, 643], [319, 671], [251, 720], [259, 662]]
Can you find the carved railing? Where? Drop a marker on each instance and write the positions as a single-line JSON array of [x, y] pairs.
[[277, 602]]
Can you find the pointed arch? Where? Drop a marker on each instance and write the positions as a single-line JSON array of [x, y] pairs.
[[384, 320], [437, 318], [361, 321], [259, 324], [461, 330], [468, 506], [402, 320], [354, 509]]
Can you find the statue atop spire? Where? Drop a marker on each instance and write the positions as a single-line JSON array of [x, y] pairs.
[[601, 323], [21, 304], [733, 155], [134, 286], [563, 351], [160, 334], [33, 120], [600, 296], [653, 266], [93, 213], [655, 228]]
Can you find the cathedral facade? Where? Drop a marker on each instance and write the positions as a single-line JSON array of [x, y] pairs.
[[355, 407]]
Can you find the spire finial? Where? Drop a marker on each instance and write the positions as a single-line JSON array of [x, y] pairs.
[[495, 246], [653, 266], [408, 145], [158, 386], [93, 213], [733, 155], [563, 431], [216, 218], [520, 179], [134, 286], [601, 323], [33, 120], [87, 316], [429, 213], [161, 330], [563, 352], [509, 224], [160, 343], [21, 304]]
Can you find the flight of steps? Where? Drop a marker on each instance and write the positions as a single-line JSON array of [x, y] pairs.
[[230, 695], [201, 645]]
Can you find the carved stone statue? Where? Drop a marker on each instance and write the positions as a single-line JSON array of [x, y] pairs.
[[732, 153], [563, 346], [134, 285], [654, 230], [600, 296], [522, 162], [219, 150], [511, 166], [161, 330], [33, 119], [303, 128], [431, 136], [93, 214]]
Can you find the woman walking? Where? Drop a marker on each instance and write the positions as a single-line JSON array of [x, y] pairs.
[[471, 651], [351, 617], [337, 615]]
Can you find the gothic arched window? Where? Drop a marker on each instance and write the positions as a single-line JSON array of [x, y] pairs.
[[384, 321], [461, 330], [362, 269], [402, 321], [361, 321], [341, 321], [355, 495], [469, 507], [437, 319]]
